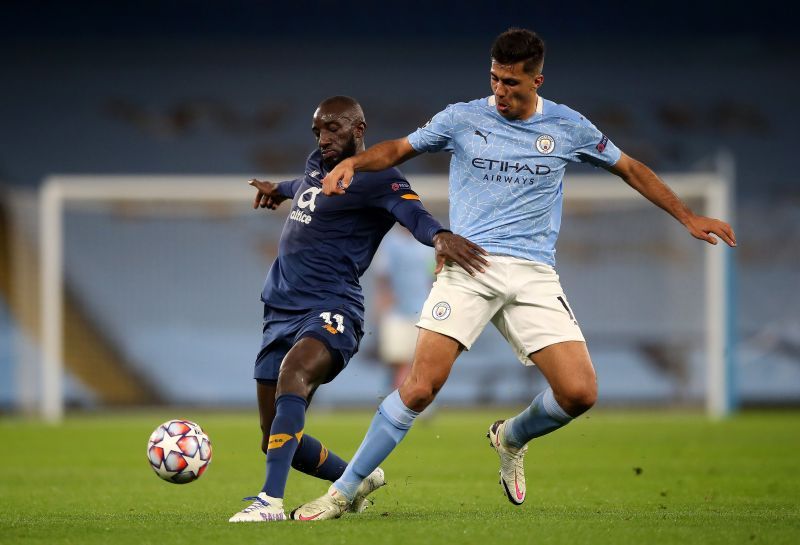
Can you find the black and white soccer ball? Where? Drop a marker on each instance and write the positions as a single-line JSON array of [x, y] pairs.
[[179, 451]]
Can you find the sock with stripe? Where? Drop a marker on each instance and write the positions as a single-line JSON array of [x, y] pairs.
[[542, 417], [314, 459], [284, 437]]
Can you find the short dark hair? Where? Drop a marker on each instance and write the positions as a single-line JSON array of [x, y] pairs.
[[519, 44]]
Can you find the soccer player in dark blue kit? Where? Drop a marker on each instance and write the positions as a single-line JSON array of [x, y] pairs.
[[313, 305]]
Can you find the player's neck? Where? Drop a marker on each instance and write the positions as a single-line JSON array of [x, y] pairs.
[[534, 108]]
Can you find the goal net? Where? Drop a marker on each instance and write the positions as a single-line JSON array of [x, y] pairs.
[[150, 284]]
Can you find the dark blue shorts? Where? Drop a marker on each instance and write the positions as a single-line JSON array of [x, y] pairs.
[[337, 329]]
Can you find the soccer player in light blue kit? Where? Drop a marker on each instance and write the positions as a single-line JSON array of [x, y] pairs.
[[404, 271], [509, 152]]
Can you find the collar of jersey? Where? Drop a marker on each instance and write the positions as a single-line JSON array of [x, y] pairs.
[[490, 101]]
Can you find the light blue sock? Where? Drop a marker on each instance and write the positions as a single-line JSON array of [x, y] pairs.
[[543, 416], [390, 424]]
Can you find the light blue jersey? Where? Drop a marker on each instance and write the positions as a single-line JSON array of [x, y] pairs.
[[506, 176]]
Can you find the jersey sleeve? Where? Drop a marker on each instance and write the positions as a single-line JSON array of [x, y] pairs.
[[289, 187], [396, 197], [589, 145], [436, 134]]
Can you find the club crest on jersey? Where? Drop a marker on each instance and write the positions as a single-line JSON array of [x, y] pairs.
[[441, 311], [545, 144]]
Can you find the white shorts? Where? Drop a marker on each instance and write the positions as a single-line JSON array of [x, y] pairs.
[[523, 299], [397, 339]]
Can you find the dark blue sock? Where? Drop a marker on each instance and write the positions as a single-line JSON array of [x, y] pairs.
[[314, 459], [284, 436]]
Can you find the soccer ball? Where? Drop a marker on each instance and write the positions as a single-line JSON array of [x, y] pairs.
[[179, 451]]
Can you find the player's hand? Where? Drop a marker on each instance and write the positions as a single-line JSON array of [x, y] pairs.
[[455, 248], [267, 195], [338, 179], [701, 227]]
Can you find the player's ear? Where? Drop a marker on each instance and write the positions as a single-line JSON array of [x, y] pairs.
[[360, 129], [538, 81]]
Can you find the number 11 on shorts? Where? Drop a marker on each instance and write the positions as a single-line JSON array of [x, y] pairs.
[[338, 318]]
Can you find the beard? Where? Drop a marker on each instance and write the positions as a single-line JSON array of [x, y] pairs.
[[348, 150]]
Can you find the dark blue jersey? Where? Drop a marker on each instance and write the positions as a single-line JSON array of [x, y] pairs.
[[329, 241]]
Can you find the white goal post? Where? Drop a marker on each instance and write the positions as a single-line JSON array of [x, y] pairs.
[[57, 192]]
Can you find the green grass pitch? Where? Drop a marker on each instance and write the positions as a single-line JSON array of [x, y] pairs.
[[609, 477]]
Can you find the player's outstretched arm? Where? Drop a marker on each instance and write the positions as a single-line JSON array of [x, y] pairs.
[[378, 157], [426, 229], [645, 181], [267, 194], [452, 247]]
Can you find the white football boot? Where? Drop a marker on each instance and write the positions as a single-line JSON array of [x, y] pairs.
[[330, 506], [263, 509], [512, 469], [333, 504], [374, 481]]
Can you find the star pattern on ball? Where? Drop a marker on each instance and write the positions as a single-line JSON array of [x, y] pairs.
[[195, 431], [169, 451], [166, 473], [194, 463], [169, 443]]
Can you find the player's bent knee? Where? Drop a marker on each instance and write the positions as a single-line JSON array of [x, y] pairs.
[[417, 396], [299, 380], [585, 400], [577, 399]]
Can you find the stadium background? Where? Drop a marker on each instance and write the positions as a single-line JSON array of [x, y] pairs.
[[190, 88]]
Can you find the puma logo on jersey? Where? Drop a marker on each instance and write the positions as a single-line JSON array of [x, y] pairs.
[[485, 137]]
